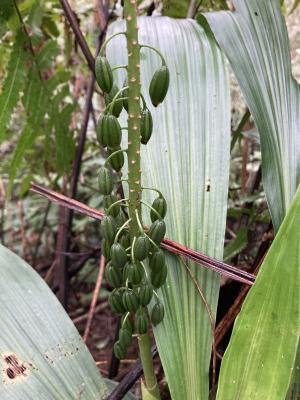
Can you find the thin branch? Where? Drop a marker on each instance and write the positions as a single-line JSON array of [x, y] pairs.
[[70, 15], [95, 298], [167, 244], [28, 38], [192, 7], [82, 137], [65, 201], [237, 133], [38, 242]]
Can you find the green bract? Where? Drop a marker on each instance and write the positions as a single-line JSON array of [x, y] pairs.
[[115, 302], [108, 228], [130, 300], [157, 231], [109, 131], [158, 278], [103, 72], [134, 273], [118, 255], [105, 181], [101, 130], [145, 294], [119, 350], [117, 160], [146, 126], [141, 247], [141, 322], [105, 249], [157, 261], [157, 313], [127, 323], [159, 205], [113, 275], [159, 85], [125, 337], [125, 240]]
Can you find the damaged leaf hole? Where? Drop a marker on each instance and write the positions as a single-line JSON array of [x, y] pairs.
[[14, 368]]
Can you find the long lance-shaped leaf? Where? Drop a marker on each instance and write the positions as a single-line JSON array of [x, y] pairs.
[[41, 353], [188, 160], [255, 41], [258, 363]]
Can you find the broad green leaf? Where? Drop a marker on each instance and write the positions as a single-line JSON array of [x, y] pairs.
[[13, 83], [41, 353], [259, 361], [255, 40], [187, 158]]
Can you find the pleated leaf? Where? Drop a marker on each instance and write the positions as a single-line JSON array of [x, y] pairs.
[[259, 361], [41, 353], [187, 158], [255, 41]]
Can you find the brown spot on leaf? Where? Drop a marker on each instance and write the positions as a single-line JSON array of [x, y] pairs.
[[10, 373], [14, 368]]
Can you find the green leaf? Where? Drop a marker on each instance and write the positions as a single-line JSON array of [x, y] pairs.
[[13, 83], [36, 104], [42, 354], [6, 9], [187, 158], [255, 41], [175, 8], [259, 362], [50, 27], [237, 245], [47, 54], [65, 147]]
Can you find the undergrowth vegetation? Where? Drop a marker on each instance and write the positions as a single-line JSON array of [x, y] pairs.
[[141, 143]]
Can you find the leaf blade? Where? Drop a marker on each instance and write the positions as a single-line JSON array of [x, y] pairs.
[[255, 41], [36, 329], [188, 137], [260, 360]]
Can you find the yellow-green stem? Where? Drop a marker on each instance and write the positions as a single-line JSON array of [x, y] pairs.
[[150, 382], [134, 166]]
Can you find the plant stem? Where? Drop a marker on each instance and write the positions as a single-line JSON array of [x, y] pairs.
[[134, 166], [147, 363]]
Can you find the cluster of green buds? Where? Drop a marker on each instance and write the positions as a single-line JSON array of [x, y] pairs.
[[136, 266]]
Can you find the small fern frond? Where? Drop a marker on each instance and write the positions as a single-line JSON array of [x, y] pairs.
[[13, 83]]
